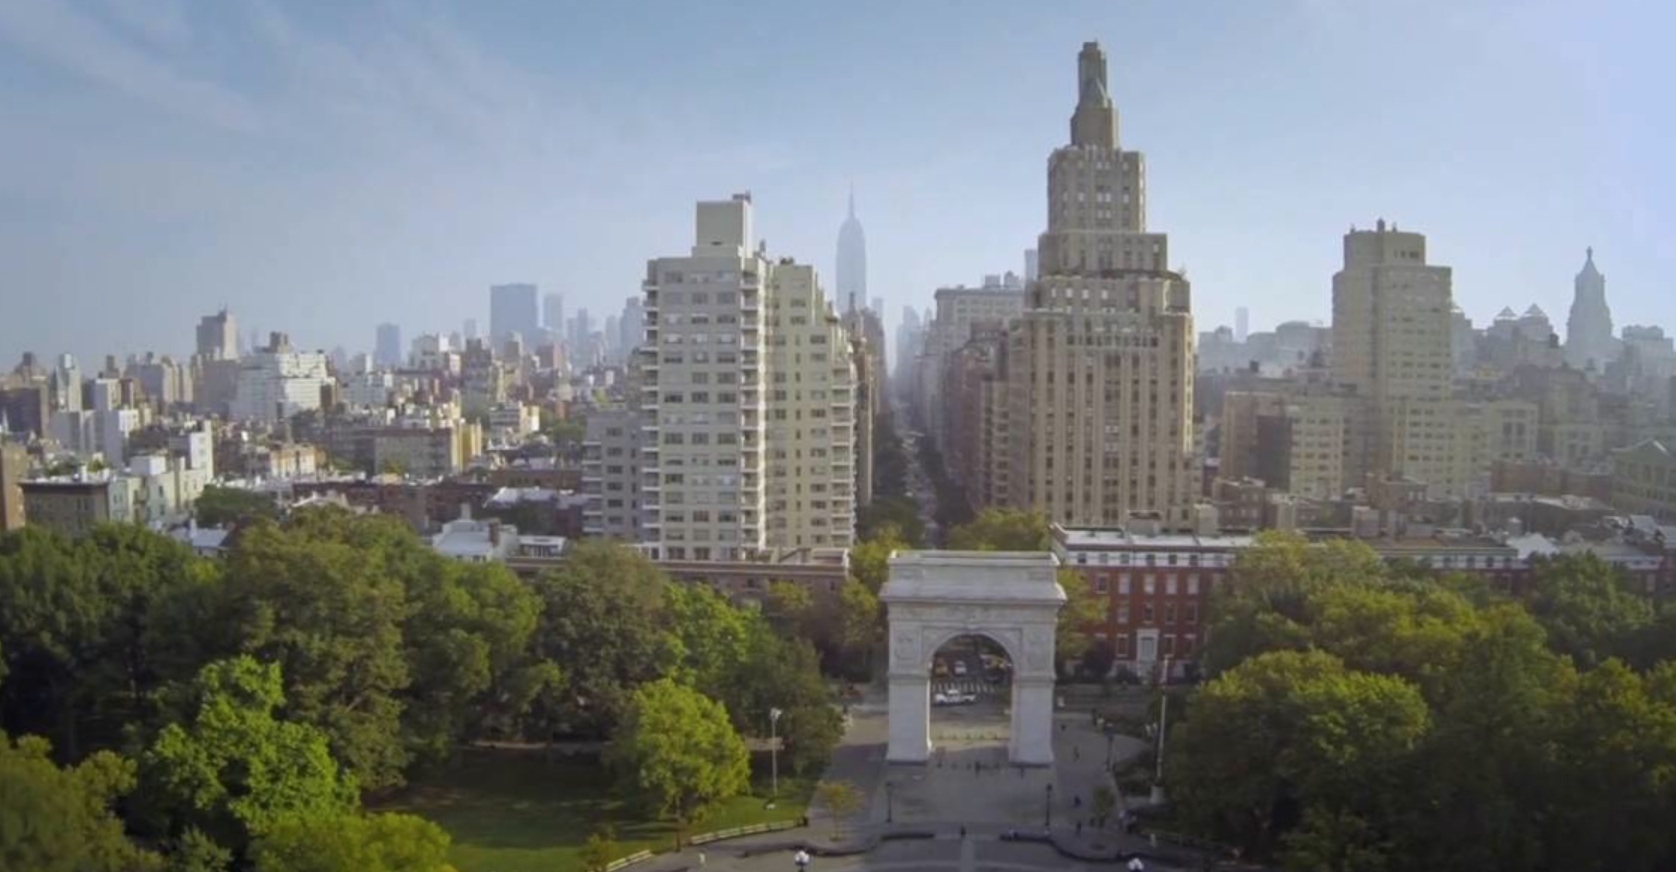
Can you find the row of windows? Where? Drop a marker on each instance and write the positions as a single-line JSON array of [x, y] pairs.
[[1189, 614]]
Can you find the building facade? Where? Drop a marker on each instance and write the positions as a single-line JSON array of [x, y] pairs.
[[1100, 366]]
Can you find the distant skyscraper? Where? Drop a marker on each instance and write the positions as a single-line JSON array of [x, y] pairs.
[[513, 309], [631, 327], [851, 276], [1588, 329], [388, 350], [470, 329], [1032, 265], [1242, 324], [552, 314], [66, 385], [218, 336]]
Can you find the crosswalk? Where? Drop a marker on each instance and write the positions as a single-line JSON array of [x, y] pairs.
[[983, 689]]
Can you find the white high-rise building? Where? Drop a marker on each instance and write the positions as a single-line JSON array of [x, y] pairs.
[[746, 387], [278, 381]]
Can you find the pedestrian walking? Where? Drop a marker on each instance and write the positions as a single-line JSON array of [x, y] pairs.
[[1076, 801], [701, 859], [802, 859]]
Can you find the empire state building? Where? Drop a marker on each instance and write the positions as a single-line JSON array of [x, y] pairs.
[[1099, 370], [851, 275]]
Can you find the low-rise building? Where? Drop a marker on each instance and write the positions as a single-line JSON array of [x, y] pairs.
[[74, 506]]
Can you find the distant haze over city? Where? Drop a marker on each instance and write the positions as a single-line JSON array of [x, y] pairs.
[[321, 170]]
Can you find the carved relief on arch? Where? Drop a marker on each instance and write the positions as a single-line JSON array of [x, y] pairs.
[[905, 647]]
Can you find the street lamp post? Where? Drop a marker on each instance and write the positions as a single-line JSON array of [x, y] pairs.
[[890, 802], [1047, 817], [774, 754], [1163, 729]]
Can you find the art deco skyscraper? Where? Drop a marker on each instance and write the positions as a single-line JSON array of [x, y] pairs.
[[851, 275], [1099, 369], [1588, 329]]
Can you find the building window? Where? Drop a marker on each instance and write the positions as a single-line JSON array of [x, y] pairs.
[[1123, 583], [1170, 585], [1169, 645], [1122, 614], [1193, 614], [1170, 613], [1122, 646], [1149, 584], [1146, 614], [1192, 585], [1101, 585]]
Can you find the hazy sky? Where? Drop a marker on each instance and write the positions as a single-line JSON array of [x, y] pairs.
[[323, 166]]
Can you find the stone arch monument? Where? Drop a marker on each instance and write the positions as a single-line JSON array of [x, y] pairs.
[[1011, 597]]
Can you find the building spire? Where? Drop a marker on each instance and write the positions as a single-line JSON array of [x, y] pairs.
[[852, 201], [1095, 121]]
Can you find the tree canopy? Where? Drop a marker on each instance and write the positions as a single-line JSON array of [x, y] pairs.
[[255, 696], [678, 753], [1365, 717]]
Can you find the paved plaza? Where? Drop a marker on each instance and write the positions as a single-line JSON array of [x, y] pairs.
[[967, 784]]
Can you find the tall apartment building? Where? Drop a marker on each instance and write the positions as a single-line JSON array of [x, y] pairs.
[[1393, 344], [513, 310], [747, 390], [1099, 368], [958, 311], [811, 408]]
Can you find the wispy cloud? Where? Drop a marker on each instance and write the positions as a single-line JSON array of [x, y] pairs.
[[64, 35]]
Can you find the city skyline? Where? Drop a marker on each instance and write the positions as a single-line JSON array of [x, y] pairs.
[[221, 177]]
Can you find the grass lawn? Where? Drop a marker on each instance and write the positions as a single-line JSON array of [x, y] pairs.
[[519, 811]]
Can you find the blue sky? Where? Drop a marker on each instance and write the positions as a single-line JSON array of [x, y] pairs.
[[323, 166]]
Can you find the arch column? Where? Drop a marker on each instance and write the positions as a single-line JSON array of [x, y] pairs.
[[910, 718], [1031, 743]]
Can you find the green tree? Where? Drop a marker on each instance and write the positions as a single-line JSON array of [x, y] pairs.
[[861, 626], [1084, 614], [678, 753], [234, 769], [60, 820], [219, 506], [1590, 615], [467, 641], [323, 598], [841, 799], [1617, 747], [51, 618], [895, 515], [353, 843], [710, 634], [600, 849], [1002, 530], [1288, 733], [870, 559], [1266, 603], [604, 619]]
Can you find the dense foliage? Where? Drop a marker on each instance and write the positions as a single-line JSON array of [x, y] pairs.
[[1365, 718], [228, 714]]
